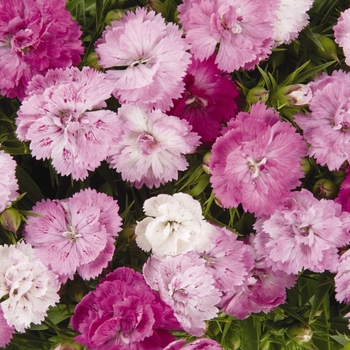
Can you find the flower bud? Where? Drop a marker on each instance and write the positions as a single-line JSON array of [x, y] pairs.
[[91, 61], [305, 165], [325, 188], [113, 15], [300, 333], [205, 163], [257, 94], [11, 219], [157, 6], [77, 290], [68, 345], [329, 51], [294, 95]]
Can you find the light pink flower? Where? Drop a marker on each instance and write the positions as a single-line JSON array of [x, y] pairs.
[[8, 181], [64, 120], [75, 234], [6, 331], [209, 99], [153, 146], [257, 161], [342, 279], [327, 128], [153, 57], [28, 286], [305, 234], [242, 28], [184, 284], [34, 37], [199, 344], [342, 34]]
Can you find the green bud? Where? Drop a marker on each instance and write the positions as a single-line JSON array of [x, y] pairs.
[[92, 61], [157, 6], [68, 345], [300, 333], [205, 163], [294, 95], [305, 165], [346, 346], [114, 15], [257, 94], [329, 51], [325, 188], [11, 219], [77, 290]]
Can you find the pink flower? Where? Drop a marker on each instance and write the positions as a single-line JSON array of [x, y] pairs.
[[305, 234], [209, 99], [34, 37], [342, 34], [327, 128], [184, 284], [153, 57], [8, 181], [344, 193], [153, 146], [75, 234], [342, 279], [6, 331], [257, 161], [242, 28], [64, 120], [199, 344], [123, 313]]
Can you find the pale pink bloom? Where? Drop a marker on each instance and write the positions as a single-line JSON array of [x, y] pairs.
[[29, 286], [8, 181], [63, 118], [150, 57], [199, 344], [257, 161], [342, 34], [34, 37], [342, 278], [305, 234], [174, 225], [75, 234], [242, 28], [6, 331], [327, 128], [153, 146], [184, 284], [209, 99], [291, 18]]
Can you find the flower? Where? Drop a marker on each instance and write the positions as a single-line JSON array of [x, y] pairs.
[[152, 56], [34, 37], [27, 286], [243, 29], [344, 192], [8, 181], [342, 34], [6, 331], [174, 225], [184, 284], [64, 120], [209, 99], [199, 344], [153, 146], [291, 19], [342, 278], [305, 234], [123, 313], [327, 128], [75, 234], [257, 161]]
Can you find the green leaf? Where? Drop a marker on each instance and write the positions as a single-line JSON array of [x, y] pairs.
[[251, 332], [203, 182]]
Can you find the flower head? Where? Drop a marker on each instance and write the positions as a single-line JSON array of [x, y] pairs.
[[123, 313], [6, 331], [199, 344], [342, 34], [34, 37], [64, 120], [153, 57], [342, 278], [153, 146], [27, 286]]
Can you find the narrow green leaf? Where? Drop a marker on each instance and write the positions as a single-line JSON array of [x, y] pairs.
[[310, 72], [72, 4], [203, 182], [99, 10], [251, 332], [266, 79]]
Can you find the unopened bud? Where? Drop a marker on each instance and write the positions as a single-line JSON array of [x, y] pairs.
[[92, 61], [77, 290], [205, 163], [113, 15], [325, 188], [11, 219], [294, 95], [257, 94], [68, 345], [300, 333], [329, 51], [305, 165]]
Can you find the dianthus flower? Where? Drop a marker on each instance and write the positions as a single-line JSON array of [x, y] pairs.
[[124, 313], [327, 128], [8, 181], [243, 29], [6, 331], [152, 55], [75, 234], [257, 161], [342, 34], [174, 225], [344, 192], [342, 278], [153, 146], [291, 18], [199, 344], [209, 99], [34, 37], [184, 284], [63, 119], [305, 234], [27, 286]]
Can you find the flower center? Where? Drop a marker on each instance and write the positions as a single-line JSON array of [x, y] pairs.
[[72, 234], [140, 61], [231, 20], [255, 166], [147, 143], [342, 119]]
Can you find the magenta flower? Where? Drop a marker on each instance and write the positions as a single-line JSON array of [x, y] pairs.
[[257, 161], [153, 146], [123, 313], [344, 192], [34, 37], [64, 120], [199, 344], [184, 284], [243, 30], [75, 234], [8, 181], [6, 331], [153, 57], [327, 128], [342, 33], [209, 99], [305, 234]]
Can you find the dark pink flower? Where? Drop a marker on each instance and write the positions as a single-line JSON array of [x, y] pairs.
[[199, 344]]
